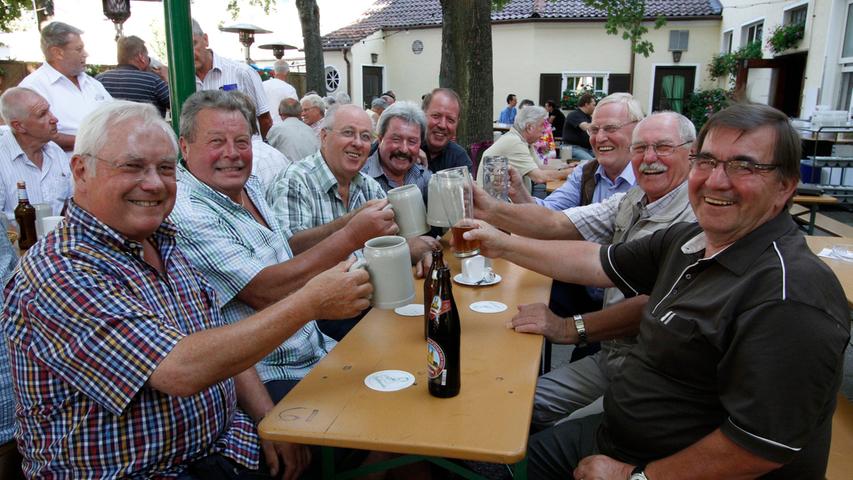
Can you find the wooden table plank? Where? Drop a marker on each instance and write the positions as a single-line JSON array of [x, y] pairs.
[[487, 421], [843, 270]]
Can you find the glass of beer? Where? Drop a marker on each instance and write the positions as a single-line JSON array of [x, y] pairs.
[[496, 177], [457, 199]]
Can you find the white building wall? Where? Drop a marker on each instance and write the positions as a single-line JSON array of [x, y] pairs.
[[360, 57], [411, 75]]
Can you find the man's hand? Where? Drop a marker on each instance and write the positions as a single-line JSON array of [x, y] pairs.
[[492, 241], [538, 318], [296, 459], [483, 203], [602, 467], [517, 191], [422, 159], [372, 220], [338, 293], [422, 266], [420, 246]]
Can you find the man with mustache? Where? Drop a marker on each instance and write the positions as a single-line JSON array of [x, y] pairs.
[[442, 108], [63, 82], [27, 153], [660, 158], [395, 162]]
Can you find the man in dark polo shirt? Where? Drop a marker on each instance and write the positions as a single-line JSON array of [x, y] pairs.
[[738, 363], [442, 108], [575, 127]]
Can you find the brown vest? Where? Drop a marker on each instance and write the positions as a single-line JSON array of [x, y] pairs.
[[588, 181]]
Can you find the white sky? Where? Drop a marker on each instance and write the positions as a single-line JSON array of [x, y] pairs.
[[146, 22]]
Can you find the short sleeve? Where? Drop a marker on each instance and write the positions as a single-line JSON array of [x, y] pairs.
[[633, 266], [255, 89]]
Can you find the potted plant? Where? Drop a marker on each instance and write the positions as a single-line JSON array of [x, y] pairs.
[[726, 64], [701, 104], [570, 97], [784, 37]]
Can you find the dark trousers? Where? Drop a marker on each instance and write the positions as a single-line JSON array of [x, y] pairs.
[[554, 452], [569, 299], [218, 467], [338, 329]]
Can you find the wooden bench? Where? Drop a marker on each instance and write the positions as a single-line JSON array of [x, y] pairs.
[[822, 222], [841, 449]]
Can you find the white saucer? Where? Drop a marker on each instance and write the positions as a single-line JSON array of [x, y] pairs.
[[411, 310], [488, 306], [460, 279]]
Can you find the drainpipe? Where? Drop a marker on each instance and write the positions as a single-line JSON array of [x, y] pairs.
[[631, 70], [349, 72]]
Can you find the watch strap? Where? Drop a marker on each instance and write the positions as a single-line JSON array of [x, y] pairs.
[[638, 473]]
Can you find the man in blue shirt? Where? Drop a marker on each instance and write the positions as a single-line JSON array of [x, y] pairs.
[[442, 108], [507, 115]]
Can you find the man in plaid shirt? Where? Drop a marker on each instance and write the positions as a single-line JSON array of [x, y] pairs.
[[122, 363]]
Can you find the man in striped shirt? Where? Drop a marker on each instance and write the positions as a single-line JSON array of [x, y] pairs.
[[131, 79], [27, 152], [122, 363]]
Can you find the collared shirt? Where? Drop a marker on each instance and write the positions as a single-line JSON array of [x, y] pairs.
[[8, 260], [52, 183], [267, 162], [89, 320], [126, 82], [293, 138], [417, 175], [306, 195], [749, 341], [276, 91], [227, 74], [507, 115], [452, 156], [317, 127], [569, 194], [67, 102], [223, 240]]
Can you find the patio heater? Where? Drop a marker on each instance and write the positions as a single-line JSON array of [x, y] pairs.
[[247, 33], [118, 11], [277, 48]]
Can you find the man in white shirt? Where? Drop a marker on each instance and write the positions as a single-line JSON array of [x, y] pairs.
[[219, 73], [292, 136], [28, 154], [277, 88], [61, 80]]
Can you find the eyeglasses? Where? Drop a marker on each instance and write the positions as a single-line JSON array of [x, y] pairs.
[[705, 164], [139, 170], [609, 129], [660, 149], [351, 134]]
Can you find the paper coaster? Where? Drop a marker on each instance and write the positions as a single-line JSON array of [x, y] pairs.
[[411, 310], [488, 307], [389, 380]]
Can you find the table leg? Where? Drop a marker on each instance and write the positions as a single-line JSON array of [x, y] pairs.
[[519, 470], [812, 215], [328, 454]]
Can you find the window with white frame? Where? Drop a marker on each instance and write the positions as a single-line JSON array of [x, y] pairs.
[[797, 14], [583, 81], [727, 42], [752, 32], [847, 45]]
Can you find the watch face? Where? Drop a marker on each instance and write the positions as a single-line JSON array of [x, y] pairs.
[[638, 476]]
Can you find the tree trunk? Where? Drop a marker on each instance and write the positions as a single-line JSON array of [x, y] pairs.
[[466, 65], [315, 75]]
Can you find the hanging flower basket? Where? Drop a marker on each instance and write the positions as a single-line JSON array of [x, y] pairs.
[[785, 37]]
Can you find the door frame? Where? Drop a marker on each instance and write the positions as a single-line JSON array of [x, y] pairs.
[[654, 67], [361, 80]]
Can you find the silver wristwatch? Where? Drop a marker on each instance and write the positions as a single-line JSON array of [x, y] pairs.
[[579, 326], [638, 474]]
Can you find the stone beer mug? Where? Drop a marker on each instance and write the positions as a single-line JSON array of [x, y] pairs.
[[388, 262], [409, 210]]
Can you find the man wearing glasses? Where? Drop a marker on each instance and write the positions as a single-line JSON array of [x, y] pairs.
[[660, 159], [737, 365]]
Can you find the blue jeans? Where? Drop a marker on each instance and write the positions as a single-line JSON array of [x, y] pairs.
[[581, 153]]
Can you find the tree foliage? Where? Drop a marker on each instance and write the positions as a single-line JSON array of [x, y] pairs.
[[233, 6], [11, 10]]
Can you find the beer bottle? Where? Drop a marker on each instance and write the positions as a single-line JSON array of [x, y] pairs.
[[443, 339], [25, 215], [430, 285]]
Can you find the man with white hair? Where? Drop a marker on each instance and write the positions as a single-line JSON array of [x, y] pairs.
[[292, 136], [214, 72], [517, 146], [313, 111], [63, 82], [122, 362], [27, 153], [277, 88], [660, 157]]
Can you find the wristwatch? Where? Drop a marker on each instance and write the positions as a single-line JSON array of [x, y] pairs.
[[638, 474], [579, 326]]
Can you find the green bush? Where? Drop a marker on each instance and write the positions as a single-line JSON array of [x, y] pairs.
[[570, 97], [784, 37], [701, 104], [725, 64]]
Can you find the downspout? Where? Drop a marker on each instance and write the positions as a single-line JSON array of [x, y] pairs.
[[631, 69], [349, 73]]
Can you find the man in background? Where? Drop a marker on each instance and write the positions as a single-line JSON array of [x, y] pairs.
[[442, 107], [132, 80], [507, 115], [292, 136], [277, 88], [576, 128]]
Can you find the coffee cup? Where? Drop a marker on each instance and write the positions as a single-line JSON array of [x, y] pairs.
[[387, 260], [409, 210], [474, 268], [43, 210]]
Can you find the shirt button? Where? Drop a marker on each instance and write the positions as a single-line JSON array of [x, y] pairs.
[[688, 276], [675, 291]]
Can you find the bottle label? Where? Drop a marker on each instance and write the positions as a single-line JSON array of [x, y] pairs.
[[438, 307], [436, 359]]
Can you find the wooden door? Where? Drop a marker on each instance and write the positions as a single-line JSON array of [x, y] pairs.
[[371, 84], [672, 87]]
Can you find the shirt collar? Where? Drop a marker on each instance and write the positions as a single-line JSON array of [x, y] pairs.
[[216, 63], [372, 168], [740, 255], [93, 227], [660, 205], [55, 75], [626, 176]]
